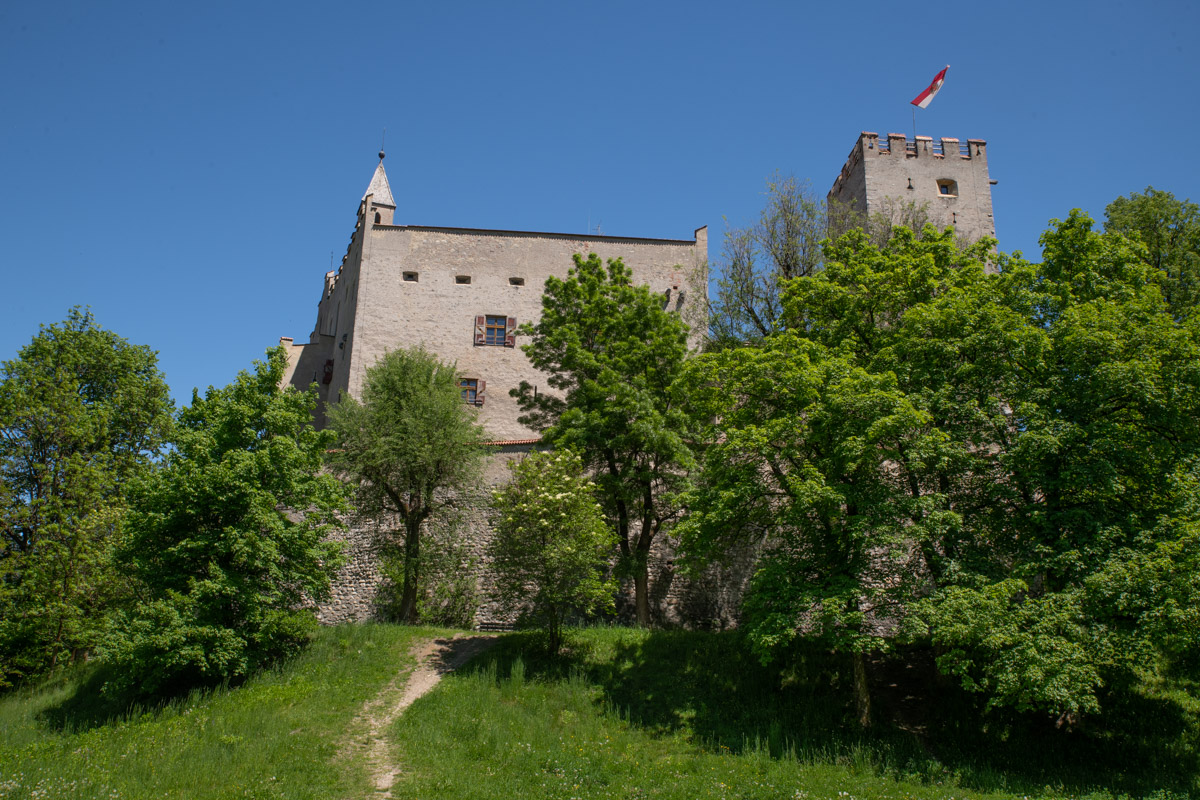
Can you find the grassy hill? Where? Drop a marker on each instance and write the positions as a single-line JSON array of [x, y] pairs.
[[625, 713]]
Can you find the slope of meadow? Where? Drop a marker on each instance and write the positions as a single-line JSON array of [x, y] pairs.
[[278, 735], [622, 714]]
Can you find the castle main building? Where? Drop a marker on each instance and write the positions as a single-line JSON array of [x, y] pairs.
[[462, 292]]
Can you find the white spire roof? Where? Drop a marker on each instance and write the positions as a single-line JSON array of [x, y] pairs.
[[380, 188]]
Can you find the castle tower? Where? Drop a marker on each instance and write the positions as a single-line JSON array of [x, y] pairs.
[[949, 179]]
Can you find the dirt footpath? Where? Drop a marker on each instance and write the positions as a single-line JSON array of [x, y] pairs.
[[367, 738]]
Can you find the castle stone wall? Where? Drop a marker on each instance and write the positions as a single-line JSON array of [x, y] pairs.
[[711, 599], [506, 273]]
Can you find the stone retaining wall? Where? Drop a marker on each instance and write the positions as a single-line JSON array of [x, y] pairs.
[[710, 600]]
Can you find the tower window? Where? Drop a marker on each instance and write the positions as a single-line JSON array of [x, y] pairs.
[[947, 187], [377, 218], [516, 281], [462, 280], [410, 277]]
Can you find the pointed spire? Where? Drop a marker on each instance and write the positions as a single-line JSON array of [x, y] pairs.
[[379, 186]]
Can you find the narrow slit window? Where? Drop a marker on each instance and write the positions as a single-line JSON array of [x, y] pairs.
[[411, 277], [516, 281], [462, 280]]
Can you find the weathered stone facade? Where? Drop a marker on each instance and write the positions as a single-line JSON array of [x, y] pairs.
[[948, 177], [404, 285]]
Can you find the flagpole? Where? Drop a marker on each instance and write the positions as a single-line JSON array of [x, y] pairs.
[[922, 100]]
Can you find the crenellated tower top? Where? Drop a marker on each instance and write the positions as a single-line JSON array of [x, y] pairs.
[[947, 178]]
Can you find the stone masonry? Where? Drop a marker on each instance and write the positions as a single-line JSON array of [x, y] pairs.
[[461, 292]]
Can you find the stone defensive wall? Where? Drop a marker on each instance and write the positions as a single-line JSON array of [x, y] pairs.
[[710, 600]]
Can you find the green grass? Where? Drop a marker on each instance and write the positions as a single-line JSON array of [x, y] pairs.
[[275, 736], [689, 715], [624, 714]]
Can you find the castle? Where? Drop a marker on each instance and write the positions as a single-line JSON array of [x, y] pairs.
[[462, 293]]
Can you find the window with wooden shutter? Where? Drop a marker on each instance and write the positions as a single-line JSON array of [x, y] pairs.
[[472, 390], [495, 330]]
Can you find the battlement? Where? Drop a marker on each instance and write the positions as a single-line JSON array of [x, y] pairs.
[[946, 178], [923, 146], [870, 145]]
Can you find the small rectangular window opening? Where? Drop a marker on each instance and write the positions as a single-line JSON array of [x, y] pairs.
[[462, 280], [410, 276], [947, 187], [516, 281]]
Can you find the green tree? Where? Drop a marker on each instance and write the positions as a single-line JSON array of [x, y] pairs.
[[799, 457], [1170, 230], [406, 448], [82, 412], [552, 545], [1098, 383], [614, 353], [227, 540], [1024, 426]]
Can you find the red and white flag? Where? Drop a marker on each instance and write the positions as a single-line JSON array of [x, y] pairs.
[[922, 100]]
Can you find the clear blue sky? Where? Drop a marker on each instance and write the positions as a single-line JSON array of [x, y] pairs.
[[187, 169]]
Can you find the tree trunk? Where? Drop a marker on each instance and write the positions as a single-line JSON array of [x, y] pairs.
[[641, 593], [554, 630], [412, 557], [862, 692]]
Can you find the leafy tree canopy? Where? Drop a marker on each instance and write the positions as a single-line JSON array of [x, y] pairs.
[[82, 412], [784, 243], [971, 458], [407, 447], [552, 545], [227, 540], [613, 353], [757, 261], [1170, 230]]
